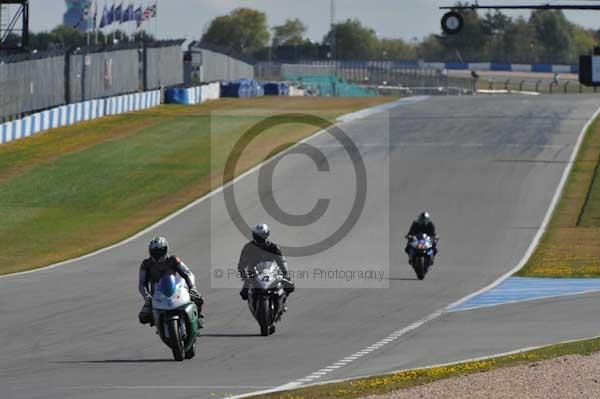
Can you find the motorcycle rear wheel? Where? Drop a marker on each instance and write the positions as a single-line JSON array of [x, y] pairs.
[[175, 340]]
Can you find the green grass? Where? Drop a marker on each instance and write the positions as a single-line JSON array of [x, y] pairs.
[[571, 245], [68, 192], [384, 384]]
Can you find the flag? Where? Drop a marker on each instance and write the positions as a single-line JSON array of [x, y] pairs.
[[153, 9], [128, 13], [104, 20], [147, 13], [138, 16], [111, 15], [119, 13]]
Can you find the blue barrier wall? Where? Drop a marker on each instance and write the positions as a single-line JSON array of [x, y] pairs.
[[73, 113]]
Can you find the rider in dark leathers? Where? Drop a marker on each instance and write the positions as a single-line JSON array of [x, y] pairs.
[[422, 225], [157, 265], [260, 249]]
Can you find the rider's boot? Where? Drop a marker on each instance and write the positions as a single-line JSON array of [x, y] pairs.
[[201, 320]]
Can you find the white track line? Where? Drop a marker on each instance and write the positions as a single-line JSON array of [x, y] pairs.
[[340, 120], [540, 231]]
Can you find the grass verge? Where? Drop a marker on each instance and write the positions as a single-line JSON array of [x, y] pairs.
[[571, 245], [383, 384], [76, 189]]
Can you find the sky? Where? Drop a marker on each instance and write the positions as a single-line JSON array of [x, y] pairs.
[[406, 19]]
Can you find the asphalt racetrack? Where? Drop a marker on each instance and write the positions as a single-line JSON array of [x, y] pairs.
[[486, 168]]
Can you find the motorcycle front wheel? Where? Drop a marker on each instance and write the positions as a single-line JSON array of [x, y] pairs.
[[419, 266], [176, 343], [262, 311]]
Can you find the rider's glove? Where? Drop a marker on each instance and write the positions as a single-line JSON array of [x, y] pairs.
[[195, 295]]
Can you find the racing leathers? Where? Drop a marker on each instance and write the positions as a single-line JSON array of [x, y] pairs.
[[254, 253], [150, 273]]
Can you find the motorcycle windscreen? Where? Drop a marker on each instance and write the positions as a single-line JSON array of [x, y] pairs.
[[167, 285], [266, 268]]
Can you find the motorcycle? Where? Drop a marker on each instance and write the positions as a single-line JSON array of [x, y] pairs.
[[421, 254], [266, 295], [175, 316]]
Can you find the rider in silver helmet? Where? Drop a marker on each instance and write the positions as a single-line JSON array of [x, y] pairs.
[[260, 249], [154, 267]]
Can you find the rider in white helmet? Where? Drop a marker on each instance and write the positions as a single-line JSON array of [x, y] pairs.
[[260, 249]]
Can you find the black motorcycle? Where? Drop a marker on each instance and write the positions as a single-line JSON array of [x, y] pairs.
[[421, 254]]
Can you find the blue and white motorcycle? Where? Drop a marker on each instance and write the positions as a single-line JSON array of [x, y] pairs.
[[175, 316]]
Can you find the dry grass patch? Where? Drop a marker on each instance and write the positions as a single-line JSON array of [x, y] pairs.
[[571, 245]]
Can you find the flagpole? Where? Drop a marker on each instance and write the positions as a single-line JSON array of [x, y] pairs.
[[103, 30], [87, 23], [120, 23], [95, 22], [132, 7], [112, 29]]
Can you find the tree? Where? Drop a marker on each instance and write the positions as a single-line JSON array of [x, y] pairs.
[[519, 43], [66, 36], [352, 41], [244, 30], [431, 49], [553, 36], [494, 27], [396, 50], [291, 33], [584, 40]]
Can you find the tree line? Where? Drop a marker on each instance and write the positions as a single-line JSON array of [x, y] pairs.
[[544, 37]]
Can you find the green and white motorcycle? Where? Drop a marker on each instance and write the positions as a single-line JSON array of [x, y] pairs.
[[175, 316]]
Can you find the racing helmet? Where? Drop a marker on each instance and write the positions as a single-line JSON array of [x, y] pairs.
[[158, 248], [424, 218], [260, 233]]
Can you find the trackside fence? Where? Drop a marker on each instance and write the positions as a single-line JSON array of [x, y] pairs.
[[34, 82]]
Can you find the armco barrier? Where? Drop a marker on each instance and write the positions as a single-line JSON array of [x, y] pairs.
[[329, 67], [73, 113]]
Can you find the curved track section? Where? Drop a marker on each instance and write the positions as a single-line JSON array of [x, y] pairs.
[[486, 168]]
